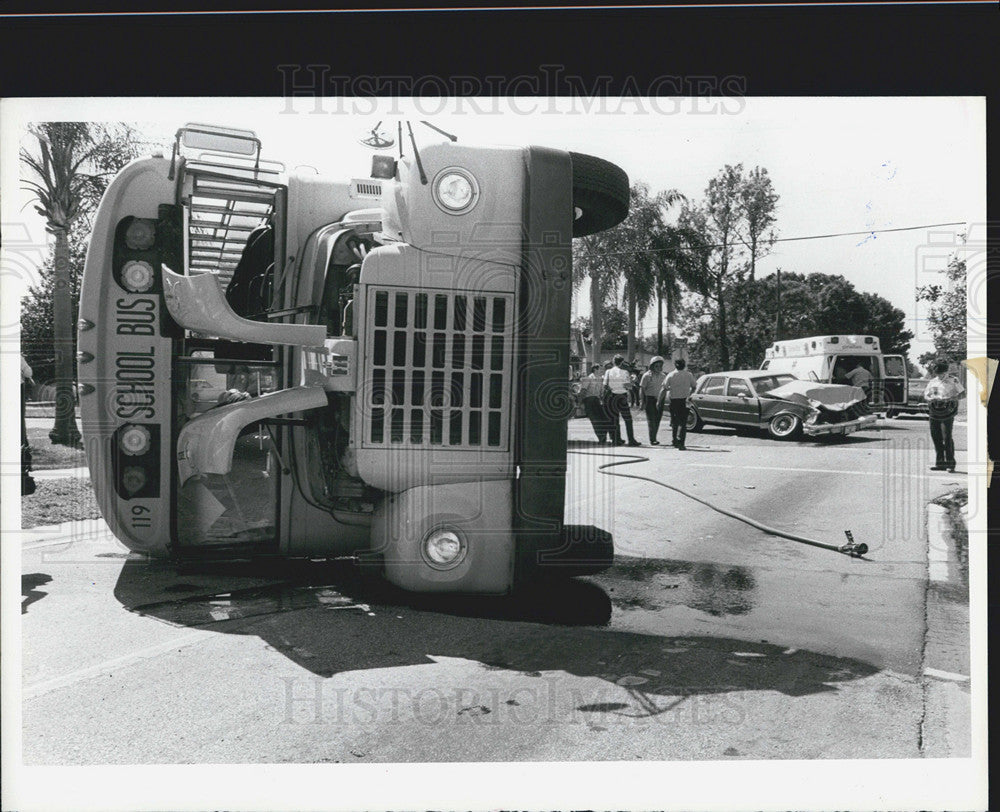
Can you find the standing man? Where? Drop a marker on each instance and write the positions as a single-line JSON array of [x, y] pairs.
[[635, 396], [617, 381], [859, 376], [649, 389], [678, 386], [27, 384], [942, 394], [591, 389]]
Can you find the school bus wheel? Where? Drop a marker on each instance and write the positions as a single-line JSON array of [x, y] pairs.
[[600, 194]]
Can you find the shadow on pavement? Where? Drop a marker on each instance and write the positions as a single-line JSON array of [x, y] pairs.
[[29, 589], [329, 618]]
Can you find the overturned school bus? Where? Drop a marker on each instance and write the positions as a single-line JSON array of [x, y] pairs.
[[278, 364]]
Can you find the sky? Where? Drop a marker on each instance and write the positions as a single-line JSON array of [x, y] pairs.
[[837, 164]]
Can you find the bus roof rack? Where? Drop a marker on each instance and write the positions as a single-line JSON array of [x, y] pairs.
[[213, 138]]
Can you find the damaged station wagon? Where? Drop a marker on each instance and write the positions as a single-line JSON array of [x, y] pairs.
[[779, 403]]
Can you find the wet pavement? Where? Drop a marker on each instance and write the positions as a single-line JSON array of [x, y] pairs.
[[707, 639]]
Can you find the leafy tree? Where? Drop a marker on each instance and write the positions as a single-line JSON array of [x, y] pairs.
[[736, 223], [838, 303], [948, 313], [616, 329], [888, 324], [615, 336], [758, 200], [813, 304], [68, 166], [37, 339]]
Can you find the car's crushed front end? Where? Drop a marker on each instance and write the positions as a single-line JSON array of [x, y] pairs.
[[828, 408]]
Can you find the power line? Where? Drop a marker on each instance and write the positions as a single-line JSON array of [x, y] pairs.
[[789, 239], [871, 231]]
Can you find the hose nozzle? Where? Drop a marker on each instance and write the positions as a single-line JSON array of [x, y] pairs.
[[852, 548]]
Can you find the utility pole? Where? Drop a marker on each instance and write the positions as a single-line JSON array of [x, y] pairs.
[[777, 317], [659, 317]]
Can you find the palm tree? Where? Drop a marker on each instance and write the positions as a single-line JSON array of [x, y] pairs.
[[676, 254], [639, 263], [592, 263], [643, 259], [69, 171]]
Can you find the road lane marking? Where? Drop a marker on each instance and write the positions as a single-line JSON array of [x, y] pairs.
[[814, 470], [947, 675], [39, 688]]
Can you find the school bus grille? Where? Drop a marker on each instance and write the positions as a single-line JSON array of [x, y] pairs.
[[438, 369]]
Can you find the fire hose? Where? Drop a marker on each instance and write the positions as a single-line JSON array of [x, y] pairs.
[[852, 548]]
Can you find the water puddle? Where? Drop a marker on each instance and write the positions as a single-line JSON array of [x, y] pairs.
[[656, 584]]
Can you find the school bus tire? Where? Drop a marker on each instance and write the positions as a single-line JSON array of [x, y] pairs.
[[600, 192]]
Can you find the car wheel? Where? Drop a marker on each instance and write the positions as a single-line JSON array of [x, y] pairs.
[[784, 426], [694, 422], [600, 194]]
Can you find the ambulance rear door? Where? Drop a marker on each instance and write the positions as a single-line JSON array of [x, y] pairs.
[[895, 384]]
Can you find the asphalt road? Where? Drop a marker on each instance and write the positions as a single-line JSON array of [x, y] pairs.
[[708, 639]]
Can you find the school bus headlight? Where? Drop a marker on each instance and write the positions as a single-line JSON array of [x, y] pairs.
[[135, 440], [455, 190], [137, 276], [133, 479], [444, 548]]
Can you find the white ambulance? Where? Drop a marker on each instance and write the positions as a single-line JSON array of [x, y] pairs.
[[831, 359]]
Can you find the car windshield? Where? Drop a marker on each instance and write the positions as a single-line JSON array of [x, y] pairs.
[[769, 382]]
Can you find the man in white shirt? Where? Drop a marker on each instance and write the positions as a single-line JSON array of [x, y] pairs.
[[678, 386], [592, 388], [27, 480], [618, 381], [942, 394], [859, 376], [649, 387]]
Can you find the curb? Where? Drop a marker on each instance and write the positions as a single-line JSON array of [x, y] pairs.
[[946, 723], [61, 473]]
